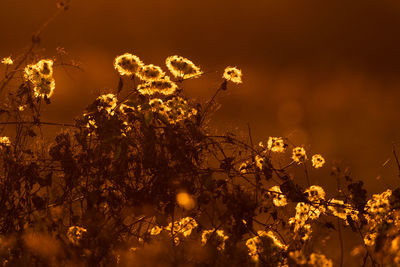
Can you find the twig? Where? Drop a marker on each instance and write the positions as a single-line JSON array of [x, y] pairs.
[[39, 123], [396, 158]]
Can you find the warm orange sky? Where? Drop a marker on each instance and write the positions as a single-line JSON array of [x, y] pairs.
[[324, 73]]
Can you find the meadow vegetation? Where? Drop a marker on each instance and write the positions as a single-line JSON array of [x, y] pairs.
[[142, 179]]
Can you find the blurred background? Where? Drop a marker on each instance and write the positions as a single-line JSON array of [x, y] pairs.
[[323, 73]]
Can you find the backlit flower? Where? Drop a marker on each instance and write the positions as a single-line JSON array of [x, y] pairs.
[[127, 64], [232, 74], [317, 161], [276, 144], [299, 155], [150, 73], [182, 67]]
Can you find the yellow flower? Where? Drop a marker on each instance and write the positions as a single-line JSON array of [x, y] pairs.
[[184, 226], [217, 234], [5, 141], [163, 86], [182, 67], [127, 64], [315, 193], [278, 198], [232, 74], [317, 161], [276, 144], [342, 210], [7, 61], [299, 155], [41, 76], [107, 102], [150, 73], [255, 245], [156, 230]]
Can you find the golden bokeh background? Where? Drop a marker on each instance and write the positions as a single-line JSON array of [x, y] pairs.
[[323, 73]]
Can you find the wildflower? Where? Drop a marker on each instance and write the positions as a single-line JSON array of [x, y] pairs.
[[278, 198], [259, 162], [304, 212], [276, 144], [369, 238], [342, 210], [156, 230], [319, 260], [182, 67], [256, 247], [179, 110], [184, 226], [163, 86], [107, 102], [299, 155], [7, 61], [378, 207], [232, 74], [185, 200], [75, 234], [5, 141], [219, 236], [127, 64], [315, 193], [317, 161], [150, 73], [41, 76]]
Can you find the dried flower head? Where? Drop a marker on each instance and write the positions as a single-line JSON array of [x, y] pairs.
[[156, 230], [232, 74], [5, 141], [162, 86], [342, 210], [184, 226], [317, 161], [315, 193], [216, 235], [107, 102], [256, 244], [179, 110], [127, 64], [299, 155], [278, 198], [182, 67], [150, 73], [75, 234], [41, 76], [276, 144], [7, 61]]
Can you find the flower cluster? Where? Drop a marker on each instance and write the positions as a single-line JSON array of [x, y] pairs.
[[218, 236], [41, 77], [264, 242], [182, 67], [278, 198], [182, 227], [276, 144], [232, 74]]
